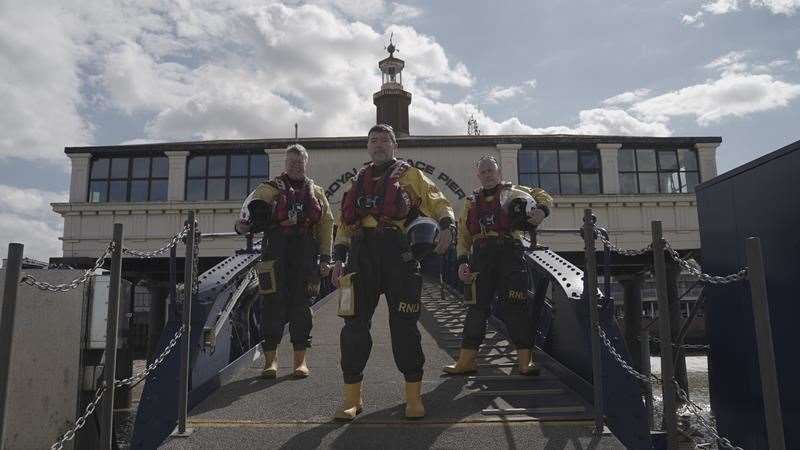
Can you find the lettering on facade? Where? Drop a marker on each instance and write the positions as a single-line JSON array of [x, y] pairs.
[[429, 169]]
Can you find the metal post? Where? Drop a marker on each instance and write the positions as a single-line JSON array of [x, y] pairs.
[[173, 281], [188, 282], [13, 268], [766, 354], [590, 294], [664, 332], [679, 358], [110, 355]]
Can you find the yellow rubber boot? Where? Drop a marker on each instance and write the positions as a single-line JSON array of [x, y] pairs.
[[353, 404], [464, 365], [270, 365], [300, 367], [526, 364], [414, 407]]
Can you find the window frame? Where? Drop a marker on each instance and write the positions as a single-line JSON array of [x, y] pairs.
[[128, 178], [579, 171], [227, 174], [681, 173]]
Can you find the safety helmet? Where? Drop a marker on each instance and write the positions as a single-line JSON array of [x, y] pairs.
[[519, 205], [422, 233]]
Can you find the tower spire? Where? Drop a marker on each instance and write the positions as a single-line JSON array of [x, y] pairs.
[[391, 100]]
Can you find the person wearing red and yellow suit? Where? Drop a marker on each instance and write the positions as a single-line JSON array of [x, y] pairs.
[[491, 254], [297, 222], [381, 201]]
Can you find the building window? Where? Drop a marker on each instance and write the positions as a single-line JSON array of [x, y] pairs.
[[137, 179], [652, 171], [224, 177], [561, 171]]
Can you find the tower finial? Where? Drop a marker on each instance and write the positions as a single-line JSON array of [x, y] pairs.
[[391, 48]]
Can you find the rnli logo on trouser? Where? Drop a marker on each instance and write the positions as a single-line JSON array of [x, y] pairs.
[[404, 307], [516, 295]]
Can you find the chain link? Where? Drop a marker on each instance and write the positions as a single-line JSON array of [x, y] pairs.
[[70, 435], [694, 408], [622, 251], [64, 287], [706, 278], [130, 381], [143, 374], [151, 254]]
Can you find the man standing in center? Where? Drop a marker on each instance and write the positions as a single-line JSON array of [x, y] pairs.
[[382, 200]]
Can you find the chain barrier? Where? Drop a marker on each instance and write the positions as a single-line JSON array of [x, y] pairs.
[[136, 378], [70, 435], [694, 408], [685, 264], [622, 251], [151, 254], [706, 278], [64, 287]]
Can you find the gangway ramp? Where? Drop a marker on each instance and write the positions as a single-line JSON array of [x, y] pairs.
[[494, 409]]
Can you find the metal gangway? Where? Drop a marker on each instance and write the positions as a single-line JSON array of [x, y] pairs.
[[210, 393]]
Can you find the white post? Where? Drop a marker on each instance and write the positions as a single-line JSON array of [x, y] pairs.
[[707, 156], [79, 178], [176, 190], [508, 161], [277, 161], [609, 162]]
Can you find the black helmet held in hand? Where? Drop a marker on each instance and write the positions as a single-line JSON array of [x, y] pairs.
[[422, 233]]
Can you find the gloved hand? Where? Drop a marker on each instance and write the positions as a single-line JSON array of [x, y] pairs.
[[535, 216]]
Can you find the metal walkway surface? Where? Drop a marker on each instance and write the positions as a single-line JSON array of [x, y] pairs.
[[494, 409]]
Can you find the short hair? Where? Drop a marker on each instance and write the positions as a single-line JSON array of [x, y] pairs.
[[297, 149], [383, 128], [485, 158]]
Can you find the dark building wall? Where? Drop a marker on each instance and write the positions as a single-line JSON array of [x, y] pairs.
[[760, 199]]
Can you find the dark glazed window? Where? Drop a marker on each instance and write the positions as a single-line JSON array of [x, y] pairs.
[[224, 177], [652, 171], [566, 171], [137, 179]]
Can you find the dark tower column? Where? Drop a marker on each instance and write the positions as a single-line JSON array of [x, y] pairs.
[[392, 101]]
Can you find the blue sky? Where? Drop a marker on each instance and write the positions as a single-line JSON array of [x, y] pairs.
[[106, 72]]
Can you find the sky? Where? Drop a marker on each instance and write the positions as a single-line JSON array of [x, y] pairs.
[[78, 72]]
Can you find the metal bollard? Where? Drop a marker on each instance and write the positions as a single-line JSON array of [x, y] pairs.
[[13, 269], [110, 356], [664, 332], [188, 282], [766, 354], [590, 294]]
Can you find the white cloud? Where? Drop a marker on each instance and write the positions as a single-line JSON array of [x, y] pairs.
[[785, 7], [498, 94], [734, 94], [693, 20], [26, 217], [798, 54], [721, 6], [402, 12], [627, 97], [731, 62], [39, 83]]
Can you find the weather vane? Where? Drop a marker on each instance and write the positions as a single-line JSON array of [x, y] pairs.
[[391, 48]]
